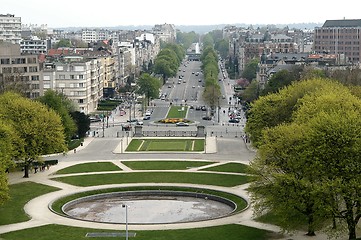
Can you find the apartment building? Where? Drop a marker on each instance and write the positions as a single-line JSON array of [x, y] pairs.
[[95, 35], [33, 45], [339, 37], [20, 71], [10, 28], [166, 32], [80, 79]]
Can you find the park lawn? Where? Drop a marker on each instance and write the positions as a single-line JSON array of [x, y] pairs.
[[226, 180], [181, 145], [230, 167], [164, 165], [59, 232], [90, 167], [177, 112], [12, 211]]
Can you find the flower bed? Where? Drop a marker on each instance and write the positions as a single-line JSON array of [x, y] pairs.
[[174, 120]]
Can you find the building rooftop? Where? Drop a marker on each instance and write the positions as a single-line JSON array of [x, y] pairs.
[[343, 23]]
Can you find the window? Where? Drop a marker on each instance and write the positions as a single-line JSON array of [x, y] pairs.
[[6, 70], [81, 76], [81, 85], [5, 61], [33, 69], [71, 76], [61, 76], [35, 78], [81, 101]]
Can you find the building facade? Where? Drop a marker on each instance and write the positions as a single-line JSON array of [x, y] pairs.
[[339, 37], [33, 45], [10, 28], [20, 71], [79, 78]]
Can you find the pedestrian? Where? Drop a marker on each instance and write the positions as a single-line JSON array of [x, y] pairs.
[[74, 150]]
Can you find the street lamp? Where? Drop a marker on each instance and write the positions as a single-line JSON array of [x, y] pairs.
[[126, 220]]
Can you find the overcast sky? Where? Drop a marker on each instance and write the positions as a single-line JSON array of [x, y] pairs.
[[111, 13]]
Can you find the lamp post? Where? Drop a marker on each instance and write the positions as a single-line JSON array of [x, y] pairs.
[[126, 220]]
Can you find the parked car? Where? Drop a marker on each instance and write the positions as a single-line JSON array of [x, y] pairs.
[[233, 120], [182, 124], [207, 118], [146, 118]]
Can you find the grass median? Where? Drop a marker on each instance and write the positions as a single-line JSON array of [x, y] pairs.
[[226, 180], [164, 165], [59, 232], [171, 145]]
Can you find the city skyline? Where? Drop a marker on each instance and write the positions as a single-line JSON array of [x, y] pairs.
[[114, 13]]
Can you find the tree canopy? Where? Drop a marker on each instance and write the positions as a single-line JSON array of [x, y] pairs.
[[308, 165], [38, 129], [58, 102], [149, 86]]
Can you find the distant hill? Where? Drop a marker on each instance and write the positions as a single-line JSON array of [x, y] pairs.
[[201, 29]]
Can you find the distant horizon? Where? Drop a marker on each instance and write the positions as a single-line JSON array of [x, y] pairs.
[[113, 13]]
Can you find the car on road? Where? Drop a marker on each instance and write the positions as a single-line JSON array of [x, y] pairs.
[[233, 120], [207, 118], [146, 117], [182, 124]]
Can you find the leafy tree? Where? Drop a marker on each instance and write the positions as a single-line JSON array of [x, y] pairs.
[[251, 93], [286, 183], [208, 41], [186, 39], [6, 155], [63, 43], [166, 63], [311, 164], [38, 129], [149, 86], [82, 121], [274, 109], [279, 80], [59, 103], [250, 70], [211, 95], [222, 47]]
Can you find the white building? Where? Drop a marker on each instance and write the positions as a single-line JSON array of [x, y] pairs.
[[80, 79], [10, 28], [33, 45], [94, 35]]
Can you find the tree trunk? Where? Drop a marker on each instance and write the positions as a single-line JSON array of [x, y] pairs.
[[351, 224], [351, 231], [311, 227], [26, 171]]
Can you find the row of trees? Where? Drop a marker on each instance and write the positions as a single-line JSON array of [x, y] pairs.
[[308, 163], [212, 90]]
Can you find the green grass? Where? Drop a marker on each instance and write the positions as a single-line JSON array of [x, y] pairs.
[[13, 210], [163, 165], [226, 180], [176, 112], [59, 232], [90, 167], [181, 145], [230, 167], [240, 202]]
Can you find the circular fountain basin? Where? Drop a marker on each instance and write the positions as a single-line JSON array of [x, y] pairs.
[[149, 207]]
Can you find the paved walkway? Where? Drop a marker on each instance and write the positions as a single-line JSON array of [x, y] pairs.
[[40, 214]]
